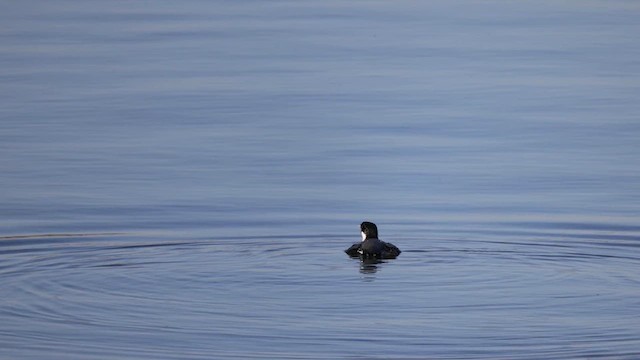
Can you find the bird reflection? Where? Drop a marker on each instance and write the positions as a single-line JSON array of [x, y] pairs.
[[369, 266]]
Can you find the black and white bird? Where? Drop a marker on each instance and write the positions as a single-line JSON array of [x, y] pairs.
[[371, 247]]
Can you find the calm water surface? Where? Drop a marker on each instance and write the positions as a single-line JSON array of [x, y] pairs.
[[179, 180]]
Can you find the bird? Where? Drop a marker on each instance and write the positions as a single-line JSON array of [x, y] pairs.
[[371, 247]]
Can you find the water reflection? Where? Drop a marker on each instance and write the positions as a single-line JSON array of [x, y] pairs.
[[369, 266]]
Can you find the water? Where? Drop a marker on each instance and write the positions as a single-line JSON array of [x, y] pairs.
[[179, 180]]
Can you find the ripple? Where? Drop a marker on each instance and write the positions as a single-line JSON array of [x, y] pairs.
[[487, 296]]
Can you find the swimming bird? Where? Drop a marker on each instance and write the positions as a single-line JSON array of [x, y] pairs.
[[371, 247]]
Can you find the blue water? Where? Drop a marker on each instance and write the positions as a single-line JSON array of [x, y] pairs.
[[180, 179]]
